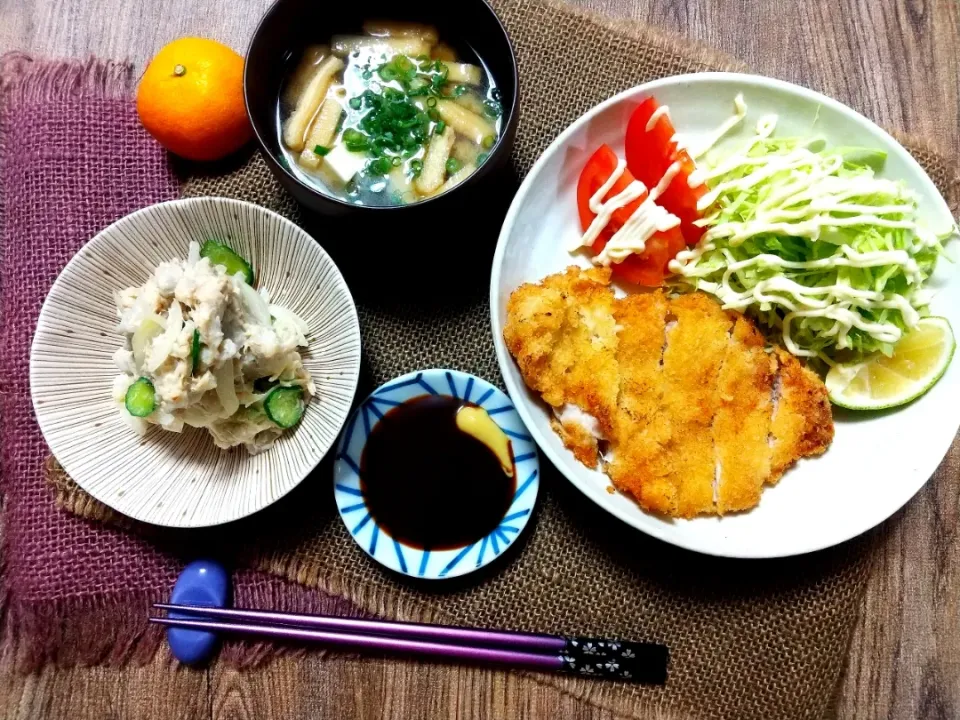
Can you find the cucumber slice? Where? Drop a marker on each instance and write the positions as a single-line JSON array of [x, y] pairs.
[[220, 254], [195, 352], [284, 406], [141, 398]]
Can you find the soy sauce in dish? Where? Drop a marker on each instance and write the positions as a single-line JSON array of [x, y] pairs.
[[427, 483]]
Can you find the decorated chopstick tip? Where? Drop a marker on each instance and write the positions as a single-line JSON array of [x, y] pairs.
[[205, 583], [623, 660]]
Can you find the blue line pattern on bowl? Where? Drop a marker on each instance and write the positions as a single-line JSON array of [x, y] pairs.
[[417, 562]]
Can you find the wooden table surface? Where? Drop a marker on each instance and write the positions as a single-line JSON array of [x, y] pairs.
[[878, 56]]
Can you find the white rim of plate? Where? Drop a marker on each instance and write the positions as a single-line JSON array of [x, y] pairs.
[[503, 356], [308, 442], [417, 562]]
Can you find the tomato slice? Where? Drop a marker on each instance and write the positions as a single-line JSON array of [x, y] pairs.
[[647, 269], [651, 153], [596, 172]]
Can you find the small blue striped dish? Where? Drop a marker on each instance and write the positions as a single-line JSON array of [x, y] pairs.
[[375, 541]]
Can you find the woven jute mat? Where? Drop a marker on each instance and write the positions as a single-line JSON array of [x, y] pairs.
[[762, 639]]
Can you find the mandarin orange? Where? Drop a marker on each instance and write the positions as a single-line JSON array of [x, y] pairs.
[[191, 99]]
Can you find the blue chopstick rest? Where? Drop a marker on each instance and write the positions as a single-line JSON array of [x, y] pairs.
[[202, 582]]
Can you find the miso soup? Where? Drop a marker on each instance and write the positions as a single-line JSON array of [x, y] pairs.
[[389, 117]]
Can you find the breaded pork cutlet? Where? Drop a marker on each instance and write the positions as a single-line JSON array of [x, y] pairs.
[[563, 335], [741, 426], [679, 401], [695, 349], [644, 430], [802, 423]]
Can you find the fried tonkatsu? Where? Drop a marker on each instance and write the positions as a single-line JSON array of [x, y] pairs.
[[681, 403]]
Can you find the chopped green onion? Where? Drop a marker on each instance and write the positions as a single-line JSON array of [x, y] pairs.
[[380, 166], [366, 74], [321, 150], [492, 109], [392, 94], [355, 140], [195, 347], [418, 86], [393, 127], [453, 165], [459, 90], [489, 141], [482, 158], [416, 167]]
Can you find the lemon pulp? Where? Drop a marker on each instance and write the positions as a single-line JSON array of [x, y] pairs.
[[918, 361]]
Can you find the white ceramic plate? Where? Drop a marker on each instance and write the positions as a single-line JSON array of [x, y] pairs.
[[877, 462], [183, 480]]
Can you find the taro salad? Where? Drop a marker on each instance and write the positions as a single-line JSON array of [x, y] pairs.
[[810, 239]]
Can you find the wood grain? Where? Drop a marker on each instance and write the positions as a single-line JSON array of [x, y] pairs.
[[879, 57]]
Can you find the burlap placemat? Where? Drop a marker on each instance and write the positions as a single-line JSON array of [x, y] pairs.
[[758, 640]]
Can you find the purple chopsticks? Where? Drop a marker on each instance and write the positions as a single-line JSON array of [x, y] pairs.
[[591, 657]]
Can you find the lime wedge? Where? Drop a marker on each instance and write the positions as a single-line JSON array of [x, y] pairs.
[[918, 361]]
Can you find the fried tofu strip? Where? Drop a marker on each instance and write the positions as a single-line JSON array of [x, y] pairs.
[[412, 46], [312, 56], [391, 29], [323, 130], [434, 172], [295, 128], [471, 126]]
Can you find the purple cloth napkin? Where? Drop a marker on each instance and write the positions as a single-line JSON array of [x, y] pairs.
[[73, 159]]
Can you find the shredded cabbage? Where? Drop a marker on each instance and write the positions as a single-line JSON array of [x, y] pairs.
[[814, 244]]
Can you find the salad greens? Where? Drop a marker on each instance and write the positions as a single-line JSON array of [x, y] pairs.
[[814, 244]]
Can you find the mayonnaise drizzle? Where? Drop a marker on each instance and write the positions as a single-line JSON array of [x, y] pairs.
[[648, 219], [697, 178], [662, 111], [740, 108]]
